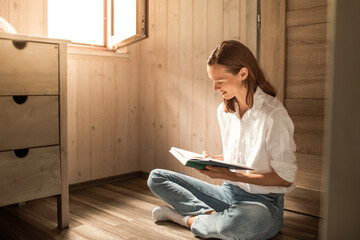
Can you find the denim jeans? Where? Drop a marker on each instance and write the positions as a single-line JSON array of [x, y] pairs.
[[239, 214]]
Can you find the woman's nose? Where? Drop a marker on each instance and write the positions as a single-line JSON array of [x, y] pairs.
[[216, 87]]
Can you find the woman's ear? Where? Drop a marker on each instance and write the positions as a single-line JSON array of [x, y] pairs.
[[243, 73]]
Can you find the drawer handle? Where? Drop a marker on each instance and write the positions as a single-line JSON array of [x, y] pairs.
[[19, 44], [21, 153], [20, 99]]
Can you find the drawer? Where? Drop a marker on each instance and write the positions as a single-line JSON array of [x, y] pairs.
[[29, 174], [28, 68], [30, 121]]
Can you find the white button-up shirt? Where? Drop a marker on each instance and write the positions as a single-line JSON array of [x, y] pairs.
[[262, 139]]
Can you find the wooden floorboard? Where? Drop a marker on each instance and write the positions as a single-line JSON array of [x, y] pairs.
[[118, 210]]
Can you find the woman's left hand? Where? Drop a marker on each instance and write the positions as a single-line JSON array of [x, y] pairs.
[[217, 172]]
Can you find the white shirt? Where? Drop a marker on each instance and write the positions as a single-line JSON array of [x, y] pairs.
[[262, 139]]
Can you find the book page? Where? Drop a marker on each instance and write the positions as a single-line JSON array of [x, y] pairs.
[[190, 155]]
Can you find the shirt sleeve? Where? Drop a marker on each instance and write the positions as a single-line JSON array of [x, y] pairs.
[[280, 144]]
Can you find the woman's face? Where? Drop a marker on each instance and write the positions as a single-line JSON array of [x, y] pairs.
[[227, 84]]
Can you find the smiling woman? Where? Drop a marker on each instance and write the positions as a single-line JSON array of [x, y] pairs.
[[257, 132]]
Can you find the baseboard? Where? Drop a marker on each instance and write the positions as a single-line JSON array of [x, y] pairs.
[[144, 174], [107, 180]]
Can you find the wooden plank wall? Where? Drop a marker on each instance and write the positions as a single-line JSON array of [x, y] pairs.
[[103, 101], [103, 116], [178, 104], [27, 16], [306, 24], [272, 43]]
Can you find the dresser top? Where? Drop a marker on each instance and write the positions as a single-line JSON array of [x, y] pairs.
[[22, 37]]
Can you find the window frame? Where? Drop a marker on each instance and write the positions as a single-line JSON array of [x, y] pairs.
[[142, 23]]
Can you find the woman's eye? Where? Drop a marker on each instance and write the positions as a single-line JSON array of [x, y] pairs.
[[220, 83]]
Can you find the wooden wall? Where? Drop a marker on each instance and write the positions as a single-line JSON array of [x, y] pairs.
[[27, 16], [306, 24], [103, 116]]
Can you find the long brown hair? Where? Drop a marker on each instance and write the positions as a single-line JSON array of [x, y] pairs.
[[234, 56]]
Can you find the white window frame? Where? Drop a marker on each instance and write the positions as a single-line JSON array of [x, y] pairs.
[[141, 25]]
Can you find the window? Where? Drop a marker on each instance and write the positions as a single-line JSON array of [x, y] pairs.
[[101, 23]]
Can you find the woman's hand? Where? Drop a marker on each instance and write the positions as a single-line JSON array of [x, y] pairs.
[[217, 172], [217, 157]]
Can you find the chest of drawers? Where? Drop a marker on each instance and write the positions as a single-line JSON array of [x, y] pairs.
[[33, 127]]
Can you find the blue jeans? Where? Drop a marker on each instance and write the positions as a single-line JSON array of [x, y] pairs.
[[239, 214]]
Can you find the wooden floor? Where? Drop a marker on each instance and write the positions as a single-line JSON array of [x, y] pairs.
[[121, 210]]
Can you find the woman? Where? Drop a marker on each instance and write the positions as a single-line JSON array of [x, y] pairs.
[[257, 132]]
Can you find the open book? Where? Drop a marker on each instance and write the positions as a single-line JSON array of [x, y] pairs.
[[196, 160]]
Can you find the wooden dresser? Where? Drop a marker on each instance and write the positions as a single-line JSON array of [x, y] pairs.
[[33, 121]]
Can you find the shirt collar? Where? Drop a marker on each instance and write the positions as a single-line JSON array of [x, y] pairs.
[[259, 98]]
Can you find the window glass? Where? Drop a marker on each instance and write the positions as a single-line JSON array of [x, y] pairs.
[[107, 23], [81, 21], [125, 19], [129, 22]]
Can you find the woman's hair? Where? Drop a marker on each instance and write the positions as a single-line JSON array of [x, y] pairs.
[[234, 56]]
